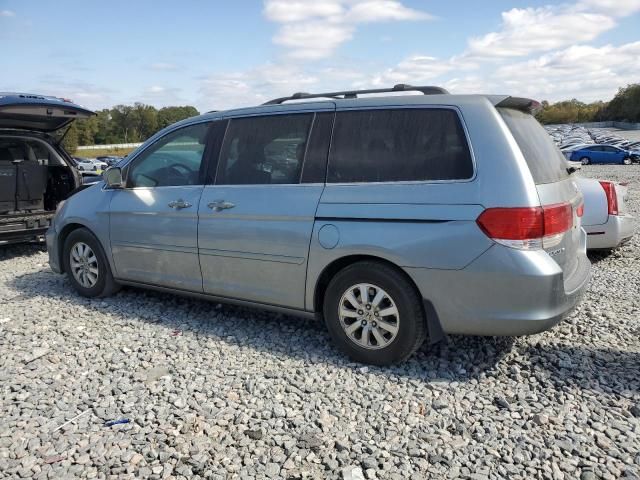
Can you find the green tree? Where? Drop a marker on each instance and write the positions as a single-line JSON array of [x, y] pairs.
[[70, 141], [625, 106], [127, 123], [144, 119], [170, 115]]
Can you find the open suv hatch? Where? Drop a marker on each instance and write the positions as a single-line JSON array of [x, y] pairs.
[[36, 174]]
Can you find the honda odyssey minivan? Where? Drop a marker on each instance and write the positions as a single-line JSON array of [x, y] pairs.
[[394, 218]]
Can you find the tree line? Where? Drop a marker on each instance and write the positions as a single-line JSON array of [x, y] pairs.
[[123, 124], [624, 107]]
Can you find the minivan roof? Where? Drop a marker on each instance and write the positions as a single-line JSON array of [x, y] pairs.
[[320, 103]]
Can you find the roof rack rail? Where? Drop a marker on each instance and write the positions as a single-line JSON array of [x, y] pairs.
[[401, 87]]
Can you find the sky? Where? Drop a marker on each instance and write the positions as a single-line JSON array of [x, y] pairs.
[[216, 54]]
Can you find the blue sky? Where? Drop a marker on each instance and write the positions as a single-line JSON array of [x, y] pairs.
[[215, 54]]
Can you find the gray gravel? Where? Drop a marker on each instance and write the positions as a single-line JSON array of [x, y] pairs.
[[213, 391]]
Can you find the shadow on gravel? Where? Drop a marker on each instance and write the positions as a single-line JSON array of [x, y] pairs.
[[597, 256], [9, 252], [600, 370], [457, 358]]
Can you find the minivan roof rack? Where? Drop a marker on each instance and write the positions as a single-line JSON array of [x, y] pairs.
[[401, 87]]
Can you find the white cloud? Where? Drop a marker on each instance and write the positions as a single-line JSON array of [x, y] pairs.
[[314, 29], [616, 8], [7, 13], [313, 40], [416, 69], [528, 30], [252, 87], [382, 11], [581, 71], [283, 11]]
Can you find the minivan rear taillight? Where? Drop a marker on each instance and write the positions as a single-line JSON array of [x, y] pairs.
[[527, 228], [612, 197]]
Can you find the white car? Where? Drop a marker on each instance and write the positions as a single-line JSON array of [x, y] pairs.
[[606, 219], [100, 165], [84, 164]]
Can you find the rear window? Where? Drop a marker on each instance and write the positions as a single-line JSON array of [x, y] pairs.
[[399, 145], [545, 161]]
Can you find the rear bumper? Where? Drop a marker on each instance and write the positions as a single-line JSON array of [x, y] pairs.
[[504, 292], [617, 230], [24, 227]]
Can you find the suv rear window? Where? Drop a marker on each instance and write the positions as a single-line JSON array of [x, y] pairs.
[[399, 145], [545, 161]]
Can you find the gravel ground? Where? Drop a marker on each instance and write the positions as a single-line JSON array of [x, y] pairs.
[[214, 391]]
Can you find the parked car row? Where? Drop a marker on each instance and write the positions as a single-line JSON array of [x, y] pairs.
[[395, 219], [95, 164], [588, 146]]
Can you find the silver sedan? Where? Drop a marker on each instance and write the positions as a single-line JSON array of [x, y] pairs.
[[606, 219]]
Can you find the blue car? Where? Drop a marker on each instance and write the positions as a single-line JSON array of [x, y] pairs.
[[602, 154]]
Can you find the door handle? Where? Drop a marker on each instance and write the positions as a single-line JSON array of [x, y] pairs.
[[179, 204], [218, 205]]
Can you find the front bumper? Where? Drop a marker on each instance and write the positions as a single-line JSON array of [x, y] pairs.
[[504, 292], [53, 250], [617, 230]]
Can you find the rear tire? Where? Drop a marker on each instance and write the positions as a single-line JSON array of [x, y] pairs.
[[367, 329], [585, 160], [86, 265]]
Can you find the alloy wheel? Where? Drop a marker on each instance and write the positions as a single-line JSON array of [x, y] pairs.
[[84, 265], [369, 316]]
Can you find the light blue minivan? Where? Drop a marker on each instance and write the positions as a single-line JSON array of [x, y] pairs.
[[394, 218]]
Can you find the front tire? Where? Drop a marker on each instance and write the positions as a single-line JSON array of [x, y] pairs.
[[627, 161], [374, 314], [585, 160], [86, 265]]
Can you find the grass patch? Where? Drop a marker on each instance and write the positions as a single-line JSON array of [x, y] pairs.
[[102, 152]]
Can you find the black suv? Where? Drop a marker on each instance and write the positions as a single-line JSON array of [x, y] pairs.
[[36, 174]]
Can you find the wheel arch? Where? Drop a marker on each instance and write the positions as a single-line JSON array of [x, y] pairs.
[[64, 234], [338, 264]]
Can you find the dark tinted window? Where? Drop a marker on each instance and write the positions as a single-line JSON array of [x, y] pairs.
[[545, 161], [397, 145], [264, 150], [315, 163], [174, 160]]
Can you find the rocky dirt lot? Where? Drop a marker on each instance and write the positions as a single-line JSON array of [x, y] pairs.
[[214, 391]]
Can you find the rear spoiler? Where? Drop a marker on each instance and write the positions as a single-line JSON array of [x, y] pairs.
[[518, 103]]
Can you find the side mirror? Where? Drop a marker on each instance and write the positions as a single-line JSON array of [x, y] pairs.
[[113, 177]]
